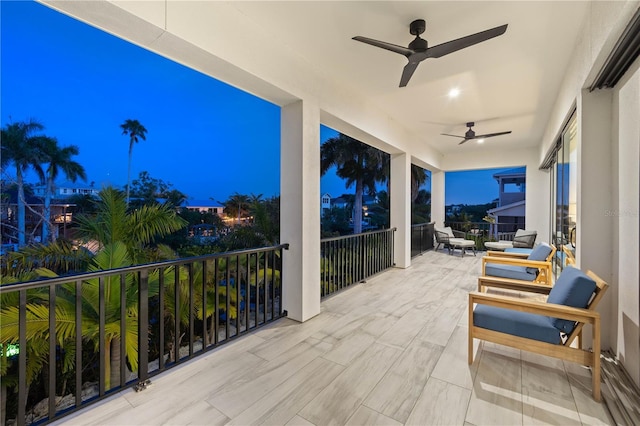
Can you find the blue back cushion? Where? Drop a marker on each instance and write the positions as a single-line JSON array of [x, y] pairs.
[[540, 253], [573, 288]]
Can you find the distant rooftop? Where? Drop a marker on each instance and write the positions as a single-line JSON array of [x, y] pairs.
[[201, 203], [510, 172]]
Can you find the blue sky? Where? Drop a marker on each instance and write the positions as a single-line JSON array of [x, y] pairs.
[[470, 187], [206, 138]]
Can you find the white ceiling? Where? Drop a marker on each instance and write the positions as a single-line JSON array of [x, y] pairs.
[[506, 83]]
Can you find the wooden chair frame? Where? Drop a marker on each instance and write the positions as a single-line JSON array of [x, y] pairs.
[[545, 277], [562, 351], [569, 258]]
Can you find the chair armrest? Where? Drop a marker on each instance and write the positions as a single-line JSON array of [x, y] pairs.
[[510, 284], [507, 254], [442, 237], [515, 262], [459, 234], [535, 307], [544, 267]]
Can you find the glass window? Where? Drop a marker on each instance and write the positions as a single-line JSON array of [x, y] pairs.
[[564, 193]]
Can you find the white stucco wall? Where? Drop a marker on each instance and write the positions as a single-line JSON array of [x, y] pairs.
[[609, 136], [626, 213]]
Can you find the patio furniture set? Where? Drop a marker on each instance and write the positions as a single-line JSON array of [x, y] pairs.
[[450, 239], [552, 327]]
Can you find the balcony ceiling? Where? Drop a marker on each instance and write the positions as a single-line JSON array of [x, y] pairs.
[[506, 83]]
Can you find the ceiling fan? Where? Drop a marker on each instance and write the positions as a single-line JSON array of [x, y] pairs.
[[419, 49], [471, 135]]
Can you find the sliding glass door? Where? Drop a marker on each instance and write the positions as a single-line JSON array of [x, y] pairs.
[[564, 176]]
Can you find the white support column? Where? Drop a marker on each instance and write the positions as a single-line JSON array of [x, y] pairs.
[[437, 197], [401, 208], [300, 208], [594, 237]]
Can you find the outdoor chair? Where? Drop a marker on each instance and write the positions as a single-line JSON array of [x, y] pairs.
[[451, 240], [547, 328], [515, 269], [522, 240]]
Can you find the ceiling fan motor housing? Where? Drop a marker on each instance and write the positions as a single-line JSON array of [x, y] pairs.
[[417, 27], [419, 45]]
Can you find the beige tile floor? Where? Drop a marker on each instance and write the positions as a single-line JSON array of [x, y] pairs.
[[390, 351]]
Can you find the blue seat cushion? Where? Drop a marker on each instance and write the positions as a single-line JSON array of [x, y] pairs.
[[539, 253], [572, 288], [516, 323], [509, 271]]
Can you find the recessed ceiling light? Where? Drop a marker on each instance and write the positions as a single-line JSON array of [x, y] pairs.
[[453, 93], [480, 140]]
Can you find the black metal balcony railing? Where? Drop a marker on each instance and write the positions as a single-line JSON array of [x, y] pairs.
[[353, 258], [421, 238], [119, 327], [481, 232]]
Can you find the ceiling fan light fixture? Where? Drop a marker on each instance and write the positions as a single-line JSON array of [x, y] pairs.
[[480, 140], [454, 93]]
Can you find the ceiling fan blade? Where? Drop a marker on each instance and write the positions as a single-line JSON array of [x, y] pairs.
[[384, 45], [407, 72], [461, 43], [464, 141], [490, 135], [455, 136]]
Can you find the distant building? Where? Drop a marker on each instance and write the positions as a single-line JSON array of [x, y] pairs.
[[453, 209], [67, 189], [204, 206], [325, 203], [368, 201], [61, 215], [510, 211]]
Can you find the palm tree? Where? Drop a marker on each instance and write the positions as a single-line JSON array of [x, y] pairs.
[[357, 163], [418, 178], [135, 131], [20, 146], [124, 237], [59, 159], [112, 222], [237, 205]]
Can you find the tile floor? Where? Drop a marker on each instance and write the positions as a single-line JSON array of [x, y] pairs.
[[391, 351]]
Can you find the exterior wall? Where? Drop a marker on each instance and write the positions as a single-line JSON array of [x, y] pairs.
[[608, 134], [506, 198], [594, 230], [626, 218]]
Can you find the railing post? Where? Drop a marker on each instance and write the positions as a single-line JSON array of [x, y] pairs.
[[143, 331], [22, 358]]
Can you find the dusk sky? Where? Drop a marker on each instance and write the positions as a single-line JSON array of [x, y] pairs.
[[206, 138]]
